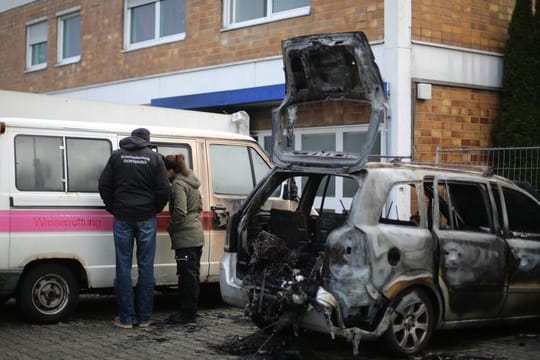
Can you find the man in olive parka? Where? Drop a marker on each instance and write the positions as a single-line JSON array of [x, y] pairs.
[[185, 230]]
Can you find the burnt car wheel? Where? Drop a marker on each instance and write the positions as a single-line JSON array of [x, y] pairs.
[[48, 293], [412, 327]]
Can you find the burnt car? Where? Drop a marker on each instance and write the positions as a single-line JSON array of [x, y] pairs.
[[333, 243]]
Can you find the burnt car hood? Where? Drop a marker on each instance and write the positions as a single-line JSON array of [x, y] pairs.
[[330, 79]]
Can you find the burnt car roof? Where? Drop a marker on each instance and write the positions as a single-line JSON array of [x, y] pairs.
[[327, 68]]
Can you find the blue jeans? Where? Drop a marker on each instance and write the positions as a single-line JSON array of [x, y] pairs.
[[144, 232]]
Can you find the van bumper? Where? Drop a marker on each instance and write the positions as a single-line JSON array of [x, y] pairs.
[[8, 281]]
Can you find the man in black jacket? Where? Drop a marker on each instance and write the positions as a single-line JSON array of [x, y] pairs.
[[134, 188]]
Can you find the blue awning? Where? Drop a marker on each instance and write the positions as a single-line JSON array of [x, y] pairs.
[[223, 98]]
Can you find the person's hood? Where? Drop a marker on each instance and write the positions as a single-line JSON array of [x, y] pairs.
[[133, 143], [190, 179]]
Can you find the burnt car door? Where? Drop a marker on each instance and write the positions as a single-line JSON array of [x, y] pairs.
[[472, 255], [521, 218]]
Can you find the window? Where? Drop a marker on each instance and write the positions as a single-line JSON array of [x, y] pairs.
[[401, 206], [248, 12], [464, 207], [176, 149], [36, 45], [84, 170], [324, 142], [69, 38], [235, 169], [151, 22], [39, 162], [523, 214], [349, 139]]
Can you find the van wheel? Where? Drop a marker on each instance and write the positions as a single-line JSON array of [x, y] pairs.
[[48, 294], [411, 329]]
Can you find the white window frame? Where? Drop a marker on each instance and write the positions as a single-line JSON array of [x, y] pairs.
[[230, 23], [62, 17], [157, 40], [338, 131], [30, 43]]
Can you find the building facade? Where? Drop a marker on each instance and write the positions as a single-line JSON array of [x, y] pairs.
[[441, 60]]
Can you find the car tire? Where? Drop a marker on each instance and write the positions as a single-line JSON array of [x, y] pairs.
[[48, 293], [411, 330]]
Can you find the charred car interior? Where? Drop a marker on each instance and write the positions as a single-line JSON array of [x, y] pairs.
[[329, 242]]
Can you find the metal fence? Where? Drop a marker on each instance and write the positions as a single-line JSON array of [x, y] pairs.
[[517, 163]]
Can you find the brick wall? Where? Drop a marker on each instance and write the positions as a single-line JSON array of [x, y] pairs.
[[102, 58], [476, 24], [315, 114], [454, 117]]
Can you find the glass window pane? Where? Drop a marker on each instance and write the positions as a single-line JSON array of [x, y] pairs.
[[231, 170], [143, 23], [172, 15], [260, 167], [177, 149], [321, 142], [354, 141], [39, 53], [350, 186], [39, 163], [248, 9], [316, 142], [283, 5], [84, 170], [269, 144], [72, 36]]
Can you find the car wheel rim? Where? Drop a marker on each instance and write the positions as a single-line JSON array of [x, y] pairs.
[[411, 327], [50, 294]]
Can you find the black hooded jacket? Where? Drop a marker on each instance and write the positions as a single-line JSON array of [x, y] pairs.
[[134, 184]]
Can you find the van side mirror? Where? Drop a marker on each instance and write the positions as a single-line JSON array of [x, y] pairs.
[[220, 216], [290, 190]]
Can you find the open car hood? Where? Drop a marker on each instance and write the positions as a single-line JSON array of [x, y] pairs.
[[329, 79]]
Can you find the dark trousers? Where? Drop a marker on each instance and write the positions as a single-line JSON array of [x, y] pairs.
[[188, 263]]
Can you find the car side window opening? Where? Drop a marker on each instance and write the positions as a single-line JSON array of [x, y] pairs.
[[464, 206], [523, 215], [401, 206], [39, 163]]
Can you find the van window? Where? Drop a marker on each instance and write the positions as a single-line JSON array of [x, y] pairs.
[[235, 169], [84, 170], [39, 162], [175, 149]]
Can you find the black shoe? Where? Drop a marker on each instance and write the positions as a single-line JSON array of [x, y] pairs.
[[179, 319]]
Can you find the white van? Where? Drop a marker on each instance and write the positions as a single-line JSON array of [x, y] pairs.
[[55, 235]]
